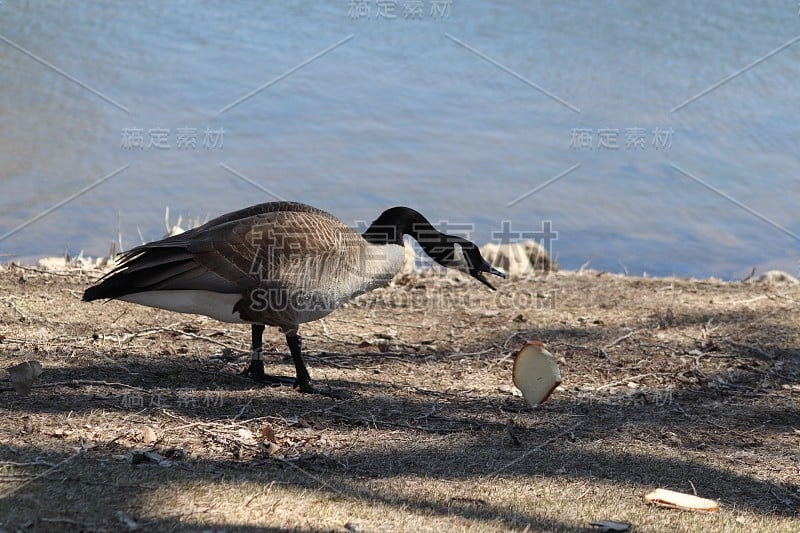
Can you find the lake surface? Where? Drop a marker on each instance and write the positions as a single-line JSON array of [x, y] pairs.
[[579, 115]]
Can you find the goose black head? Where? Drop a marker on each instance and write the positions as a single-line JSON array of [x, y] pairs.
[[447, 250], [465, 256]]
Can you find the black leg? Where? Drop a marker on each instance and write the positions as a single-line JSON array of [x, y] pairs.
[[303, 381], [256, 368], [258, 339]]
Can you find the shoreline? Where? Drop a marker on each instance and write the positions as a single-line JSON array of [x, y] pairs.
[[102, 265]]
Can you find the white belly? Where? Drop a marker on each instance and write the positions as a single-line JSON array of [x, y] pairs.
[[320, 290], [212, 304]]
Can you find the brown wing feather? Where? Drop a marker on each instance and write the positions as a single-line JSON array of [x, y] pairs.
[[272, 248], [276, 246]]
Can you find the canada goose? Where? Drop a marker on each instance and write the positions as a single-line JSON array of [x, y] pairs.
[[278, 264]]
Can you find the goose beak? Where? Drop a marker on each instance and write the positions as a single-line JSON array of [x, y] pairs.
[[486, 267]]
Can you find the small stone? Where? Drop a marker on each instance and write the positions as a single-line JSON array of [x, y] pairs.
[[148, 435]]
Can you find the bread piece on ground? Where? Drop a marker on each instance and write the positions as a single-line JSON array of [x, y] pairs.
[[535, 373]]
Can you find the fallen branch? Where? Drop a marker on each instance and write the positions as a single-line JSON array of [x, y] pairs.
[[75, 383], [46, 473], [536, 448], [633, 379], [620, 339], [756, 349], [38, 462], [71, 271]]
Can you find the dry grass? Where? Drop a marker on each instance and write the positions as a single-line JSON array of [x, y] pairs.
[[668, 383]]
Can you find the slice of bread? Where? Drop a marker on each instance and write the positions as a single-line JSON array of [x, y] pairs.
[[536, 373], [679, 500]]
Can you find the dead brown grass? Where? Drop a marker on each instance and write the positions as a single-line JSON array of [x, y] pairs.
[[667, 383]]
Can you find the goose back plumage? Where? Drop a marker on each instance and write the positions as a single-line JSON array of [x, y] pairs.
[[279, 263]]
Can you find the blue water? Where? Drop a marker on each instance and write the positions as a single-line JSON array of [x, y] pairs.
[[412, 111]]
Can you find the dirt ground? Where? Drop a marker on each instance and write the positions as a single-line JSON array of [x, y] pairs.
[[140, 420]]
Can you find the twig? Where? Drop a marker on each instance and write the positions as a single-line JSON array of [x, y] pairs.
[[536, 448], [34, 463], [491, 362], [195, 336], [327, 361], [386, 423], [90, 382], [46, 473], [516, 333], [750, 347], [177, 517], [218, 425], [115, 439], [575, 346], [130, 336], [77, 269], [750, 300], [139, 486], [428, 414], [82, 526], [74, 293], [633, 378], [676, 351], [620, 339], [187, 426], [10, 302], [322, 482], [243, 409], [83, 383], [318, 411], [747, 278], [260, 493], [361, 325], [729, 430], [178, 417]]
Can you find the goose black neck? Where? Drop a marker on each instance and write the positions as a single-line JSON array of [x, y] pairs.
[[393, 223]]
